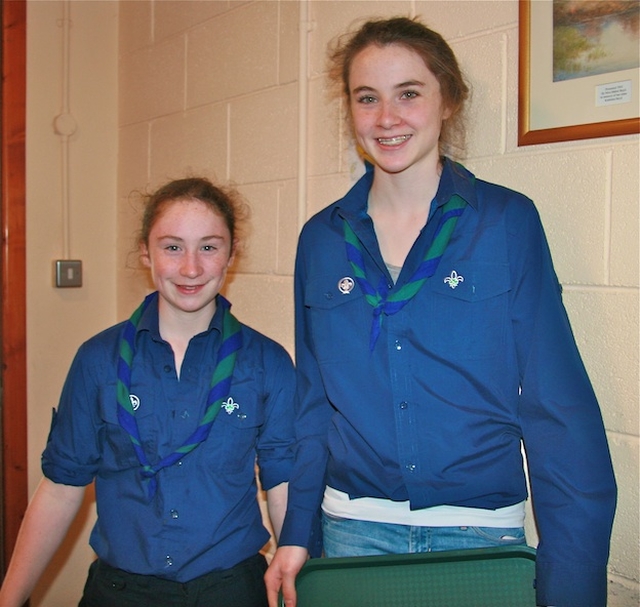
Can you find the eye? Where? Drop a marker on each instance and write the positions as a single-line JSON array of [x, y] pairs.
[[409, 95], [366, 99], [172, 248], [209, 247]]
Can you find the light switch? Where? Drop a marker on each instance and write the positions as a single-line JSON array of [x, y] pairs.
[[68, 273]]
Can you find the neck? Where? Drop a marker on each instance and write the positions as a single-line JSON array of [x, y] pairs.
[[178, 327], [183, 324], [407, 192]]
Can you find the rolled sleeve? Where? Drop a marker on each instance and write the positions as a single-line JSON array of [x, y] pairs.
[[72, 453], [276, 441]]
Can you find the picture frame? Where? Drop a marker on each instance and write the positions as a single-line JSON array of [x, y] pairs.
[[577, 107]]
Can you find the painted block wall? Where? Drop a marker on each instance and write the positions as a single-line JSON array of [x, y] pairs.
[[59, 320], [212, 87]]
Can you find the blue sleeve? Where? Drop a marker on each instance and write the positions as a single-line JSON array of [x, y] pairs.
[[313, 413], [572, 482], [72, 454], [276, 441]]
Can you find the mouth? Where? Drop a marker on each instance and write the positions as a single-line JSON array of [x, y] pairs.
[[189, 288], [398, 140]]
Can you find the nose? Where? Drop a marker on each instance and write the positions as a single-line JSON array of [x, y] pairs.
[[388, 115], [191, 266]]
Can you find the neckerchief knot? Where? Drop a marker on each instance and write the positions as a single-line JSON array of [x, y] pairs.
[[383, 300]]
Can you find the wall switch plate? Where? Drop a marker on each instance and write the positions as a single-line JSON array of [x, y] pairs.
[[68, 273]]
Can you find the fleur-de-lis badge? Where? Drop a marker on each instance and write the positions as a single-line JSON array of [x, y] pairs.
[[229, 406], [454, 280]]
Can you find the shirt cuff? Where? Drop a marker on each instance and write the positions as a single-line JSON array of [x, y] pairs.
[[566, 585], [302, 528], [274, 472]]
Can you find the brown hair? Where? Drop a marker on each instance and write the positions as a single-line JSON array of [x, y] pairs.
[[223, 200], [432, 48]]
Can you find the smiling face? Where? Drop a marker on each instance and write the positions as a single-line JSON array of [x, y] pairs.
[[189, 251], [396, 108]]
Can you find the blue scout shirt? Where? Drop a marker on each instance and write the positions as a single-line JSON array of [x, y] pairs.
[[482, 358], [204, 515]]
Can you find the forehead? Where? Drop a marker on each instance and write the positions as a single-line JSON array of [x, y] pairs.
[[391, 61], [189, 214]]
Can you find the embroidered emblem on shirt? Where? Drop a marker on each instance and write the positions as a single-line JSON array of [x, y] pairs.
[[345, 285], [135, 401], [229, 406], [454, 280]]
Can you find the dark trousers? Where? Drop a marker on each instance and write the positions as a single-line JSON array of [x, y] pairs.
[[240, 586]]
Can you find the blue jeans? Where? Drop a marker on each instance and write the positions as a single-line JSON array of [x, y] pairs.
[[348, 537]]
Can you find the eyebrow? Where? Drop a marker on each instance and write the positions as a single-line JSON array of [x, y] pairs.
[[401, 85], [179, 239]]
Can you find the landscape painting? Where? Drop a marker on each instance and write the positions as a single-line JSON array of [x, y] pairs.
[[592, 37]]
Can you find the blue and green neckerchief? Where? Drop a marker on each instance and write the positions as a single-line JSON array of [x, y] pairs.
[[383, 300], [219, 389]]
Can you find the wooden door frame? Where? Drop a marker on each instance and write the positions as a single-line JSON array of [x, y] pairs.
[[13, 274]]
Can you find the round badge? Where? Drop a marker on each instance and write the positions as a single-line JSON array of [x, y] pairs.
[[345, 285]]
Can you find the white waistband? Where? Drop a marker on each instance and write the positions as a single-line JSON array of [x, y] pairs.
[[336, 503]]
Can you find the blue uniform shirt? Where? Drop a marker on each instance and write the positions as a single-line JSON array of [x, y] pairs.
[[482, 358], [204, 515]]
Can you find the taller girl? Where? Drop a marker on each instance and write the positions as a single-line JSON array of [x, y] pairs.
[[431, 343]]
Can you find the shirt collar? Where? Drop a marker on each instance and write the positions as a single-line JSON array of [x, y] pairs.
[[455, 179], [150, 320]]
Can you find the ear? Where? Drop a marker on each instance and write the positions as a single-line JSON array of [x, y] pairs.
[[232, 255], [144, 255]]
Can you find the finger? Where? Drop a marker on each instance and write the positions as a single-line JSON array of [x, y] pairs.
[[289, 591], [273, 589]]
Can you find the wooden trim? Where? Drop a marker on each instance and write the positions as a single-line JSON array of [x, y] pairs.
[[13, 273]]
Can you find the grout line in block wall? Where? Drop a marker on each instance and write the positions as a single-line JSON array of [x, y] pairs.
[[584, 287], [504, 50], [608, 184]]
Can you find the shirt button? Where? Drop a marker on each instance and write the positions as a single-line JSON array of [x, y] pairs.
[[398, 345], [328, 295], [168, 561], [404, 404], [167, 368], [174, 513], [410, 467]]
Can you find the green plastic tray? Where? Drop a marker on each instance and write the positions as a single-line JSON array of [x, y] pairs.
[[486, 577]]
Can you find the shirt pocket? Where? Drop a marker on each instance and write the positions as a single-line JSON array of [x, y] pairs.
[[467, 312], [338, 322], [231, 446], [118, 452]]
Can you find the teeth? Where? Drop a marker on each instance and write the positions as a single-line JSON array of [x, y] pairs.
[[394, 140]]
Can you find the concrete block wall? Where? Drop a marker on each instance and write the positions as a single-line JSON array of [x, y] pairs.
[[76, 220]]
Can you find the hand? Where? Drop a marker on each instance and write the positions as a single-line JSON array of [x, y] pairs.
[[281, 574]]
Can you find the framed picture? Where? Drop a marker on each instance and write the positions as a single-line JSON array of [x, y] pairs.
[[579, 69]]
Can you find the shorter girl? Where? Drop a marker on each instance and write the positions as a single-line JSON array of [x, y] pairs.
[[168, 412]]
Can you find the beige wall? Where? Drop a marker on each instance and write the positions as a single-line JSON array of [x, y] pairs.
[[212, 87], [58, 320]]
